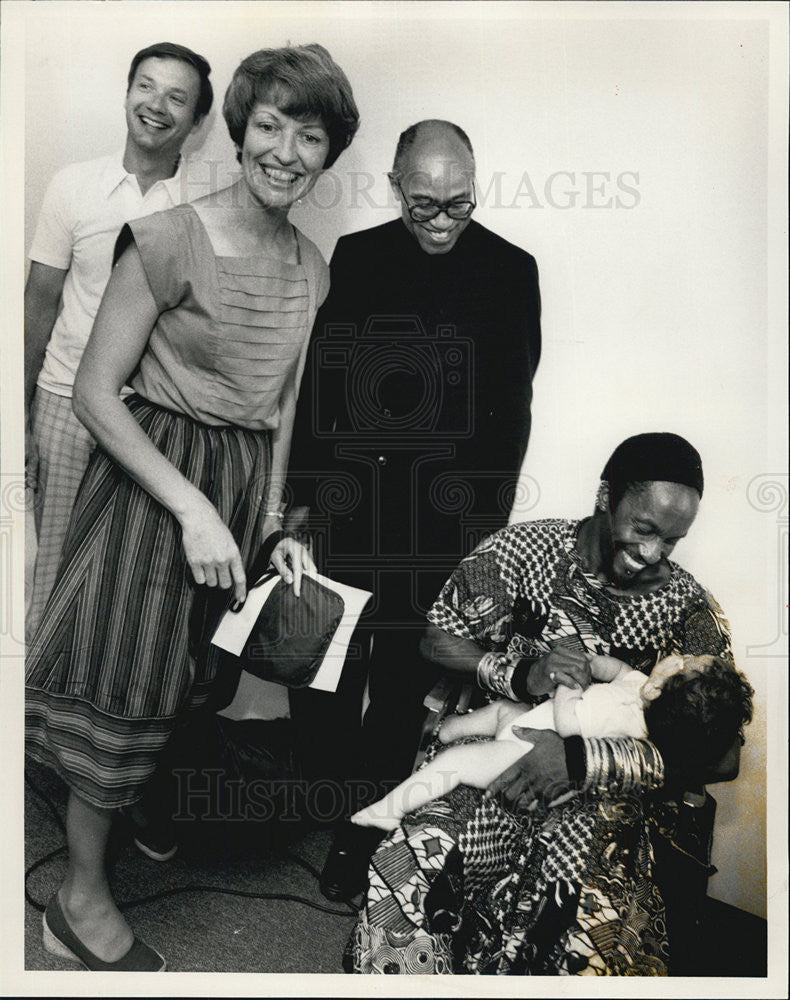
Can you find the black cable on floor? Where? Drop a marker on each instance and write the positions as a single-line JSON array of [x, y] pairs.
[[351, 910], [36, 865], [50, 804], [290, 856], [288, 897]]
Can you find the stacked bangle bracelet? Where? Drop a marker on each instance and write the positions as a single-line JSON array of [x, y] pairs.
[[506, 674], [494, 673], [622, 766]]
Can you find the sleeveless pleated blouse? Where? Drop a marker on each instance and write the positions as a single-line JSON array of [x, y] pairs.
[[231, 330]]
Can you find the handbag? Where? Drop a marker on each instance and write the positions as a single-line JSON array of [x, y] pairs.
[[291, 634]]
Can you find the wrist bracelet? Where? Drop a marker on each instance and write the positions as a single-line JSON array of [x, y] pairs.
[[494, 673], [484, 669], [274, 513], [617, 766]]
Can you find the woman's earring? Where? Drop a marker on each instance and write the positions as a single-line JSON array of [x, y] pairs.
[[602, 496]]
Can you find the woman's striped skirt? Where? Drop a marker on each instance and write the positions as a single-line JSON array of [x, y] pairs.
[[123, 650]]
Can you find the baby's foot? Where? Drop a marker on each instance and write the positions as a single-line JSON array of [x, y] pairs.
[[376, 816]]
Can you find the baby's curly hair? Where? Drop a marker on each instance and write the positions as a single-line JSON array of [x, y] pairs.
[[699, 713]]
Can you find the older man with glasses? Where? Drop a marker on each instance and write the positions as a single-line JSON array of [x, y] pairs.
[[411, 429]]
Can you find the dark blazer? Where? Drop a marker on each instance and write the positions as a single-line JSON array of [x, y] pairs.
[[414, 411]]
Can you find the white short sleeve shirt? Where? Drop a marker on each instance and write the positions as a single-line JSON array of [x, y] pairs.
[[84, 208]]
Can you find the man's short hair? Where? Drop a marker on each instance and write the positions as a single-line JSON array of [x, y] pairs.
[[648, 458], [171, 50], [409, 136]]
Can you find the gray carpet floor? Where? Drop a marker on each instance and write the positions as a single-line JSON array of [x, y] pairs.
[[200, 931], [205, 931]]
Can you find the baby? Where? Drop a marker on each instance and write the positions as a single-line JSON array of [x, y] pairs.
[[689, 706]]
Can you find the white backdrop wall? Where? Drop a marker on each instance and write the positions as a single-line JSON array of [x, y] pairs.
[[629, 149]]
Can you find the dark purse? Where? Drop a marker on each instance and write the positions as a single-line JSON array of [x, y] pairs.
[[291, 634]]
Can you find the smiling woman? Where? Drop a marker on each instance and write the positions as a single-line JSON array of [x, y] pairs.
[[207, 315], [302, 83], [282, 156], [290, 113]]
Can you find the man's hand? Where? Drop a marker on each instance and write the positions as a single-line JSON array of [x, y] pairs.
[[560, 666], [539, 776]]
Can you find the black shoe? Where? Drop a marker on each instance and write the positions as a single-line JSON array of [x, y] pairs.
[[60, 940], [153, 836], [345, 874]]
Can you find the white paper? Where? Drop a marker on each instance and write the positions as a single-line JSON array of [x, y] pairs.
[[328, 675], [235, 627]]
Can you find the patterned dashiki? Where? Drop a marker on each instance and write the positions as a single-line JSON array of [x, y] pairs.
[[463, 886]]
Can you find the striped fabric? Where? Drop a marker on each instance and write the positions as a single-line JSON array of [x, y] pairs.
[[122, 649], [64, 447]]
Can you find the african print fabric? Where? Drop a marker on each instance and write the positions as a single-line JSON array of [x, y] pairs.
[[524, 590], [463, 886]]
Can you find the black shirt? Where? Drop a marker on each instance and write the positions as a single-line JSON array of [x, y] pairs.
[[414, 411]]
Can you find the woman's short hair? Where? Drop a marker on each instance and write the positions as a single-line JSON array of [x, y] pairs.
[[700, 713], [300, 80], [654, 457], [170, 50]]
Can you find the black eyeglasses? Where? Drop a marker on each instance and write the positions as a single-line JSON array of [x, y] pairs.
[[424, 213]]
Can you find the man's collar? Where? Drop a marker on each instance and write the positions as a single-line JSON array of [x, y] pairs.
[[115, 174]]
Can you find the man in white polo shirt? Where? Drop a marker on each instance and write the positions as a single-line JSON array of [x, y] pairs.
[[85, 206]]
